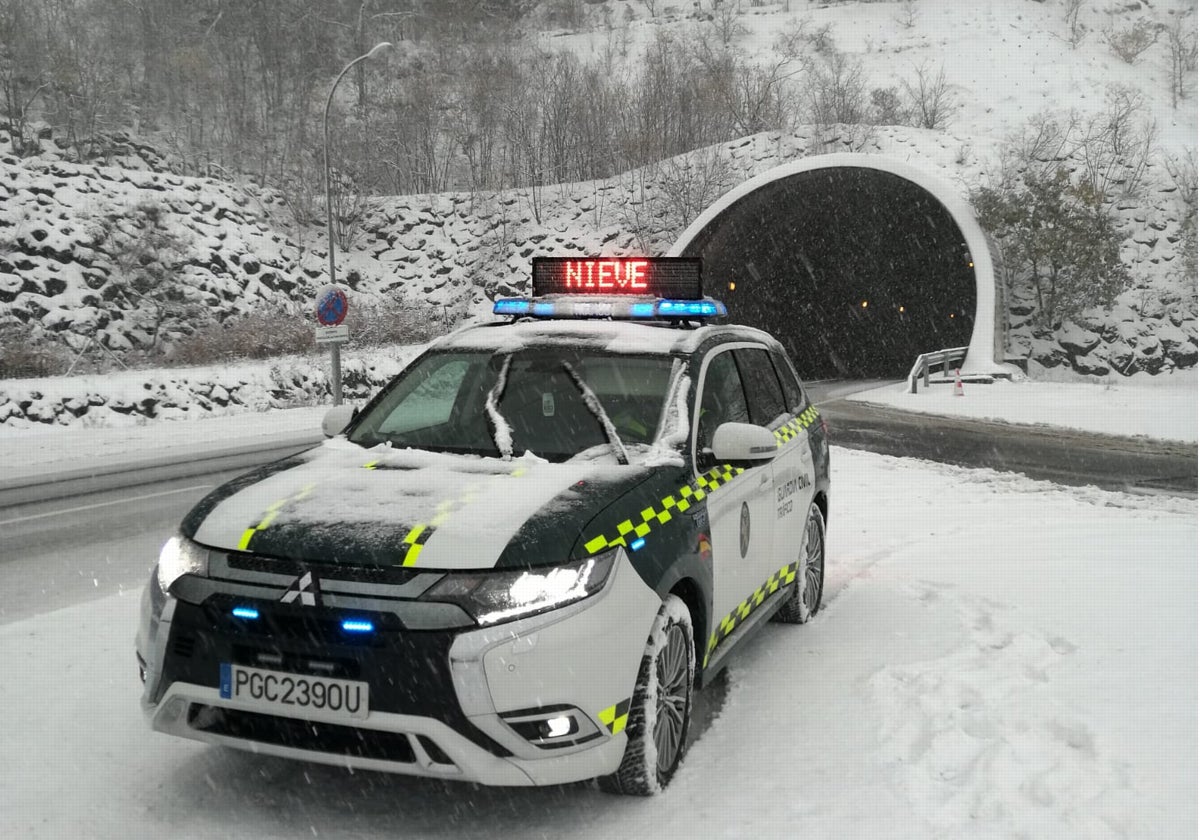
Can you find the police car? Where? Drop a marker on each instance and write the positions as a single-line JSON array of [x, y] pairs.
[[515, 564]]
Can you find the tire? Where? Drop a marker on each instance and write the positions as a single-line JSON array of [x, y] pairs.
[[805, 598], [661, 712]]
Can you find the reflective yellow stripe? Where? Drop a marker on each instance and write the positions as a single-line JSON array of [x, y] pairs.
[[615, 717], [414, 541], [270, 514], [796, 425], [746, 608], [651, 516]]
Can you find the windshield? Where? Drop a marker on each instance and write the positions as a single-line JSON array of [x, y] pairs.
[[553, 402]]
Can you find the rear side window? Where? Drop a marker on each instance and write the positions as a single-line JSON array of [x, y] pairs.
[[792, 393], [763, 393]]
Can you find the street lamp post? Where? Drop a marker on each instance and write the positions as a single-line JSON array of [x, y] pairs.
[[335, 354]]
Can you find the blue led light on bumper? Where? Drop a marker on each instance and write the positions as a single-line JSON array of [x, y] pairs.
[[636, 544], [357, 625], [246, 613]]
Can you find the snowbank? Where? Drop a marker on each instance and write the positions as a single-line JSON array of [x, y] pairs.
[[1161, 407]]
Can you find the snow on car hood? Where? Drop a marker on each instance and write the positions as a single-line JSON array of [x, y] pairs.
[[340, 503]]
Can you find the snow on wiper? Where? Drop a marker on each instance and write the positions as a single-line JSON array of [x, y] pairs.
[[593, 403], [501, 431]]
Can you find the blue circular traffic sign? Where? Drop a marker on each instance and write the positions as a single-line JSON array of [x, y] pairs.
[[331, 306]]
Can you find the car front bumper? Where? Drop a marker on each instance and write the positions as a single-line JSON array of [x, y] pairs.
[[442, 704]]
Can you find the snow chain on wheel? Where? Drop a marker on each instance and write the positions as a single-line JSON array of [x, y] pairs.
[[805, 598], [661, 711]]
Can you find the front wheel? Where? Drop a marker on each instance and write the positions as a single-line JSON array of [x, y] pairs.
[[805, 598], [661, 711]]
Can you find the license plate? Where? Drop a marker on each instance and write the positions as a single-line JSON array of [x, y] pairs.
[[293, 693]]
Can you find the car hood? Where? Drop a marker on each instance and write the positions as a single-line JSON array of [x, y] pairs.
[[340, 503]]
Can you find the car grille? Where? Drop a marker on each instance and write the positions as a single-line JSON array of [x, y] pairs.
[[309, 735], [329, 571]]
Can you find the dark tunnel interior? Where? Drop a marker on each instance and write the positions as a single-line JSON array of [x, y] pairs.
[[856, 271]]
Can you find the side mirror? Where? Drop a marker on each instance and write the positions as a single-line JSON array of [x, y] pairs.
[[743, 442], [336, 419]]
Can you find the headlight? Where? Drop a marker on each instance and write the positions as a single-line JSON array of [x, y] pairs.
[[180, 556], [492, 597]]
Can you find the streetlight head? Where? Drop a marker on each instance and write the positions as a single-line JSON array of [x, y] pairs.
[[382, 45]]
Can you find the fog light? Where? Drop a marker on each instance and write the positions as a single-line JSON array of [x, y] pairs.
[[556, 727], [553, 726]]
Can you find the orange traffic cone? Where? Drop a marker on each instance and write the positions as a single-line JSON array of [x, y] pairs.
[[958, 389]]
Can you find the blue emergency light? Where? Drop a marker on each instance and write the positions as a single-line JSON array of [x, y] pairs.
[[357, 625], [569, 306]]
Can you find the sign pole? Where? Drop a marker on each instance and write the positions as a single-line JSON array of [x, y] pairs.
[[335, 360]]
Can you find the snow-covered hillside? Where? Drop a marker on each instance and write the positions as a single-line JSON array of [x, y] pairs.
[[68, 230]]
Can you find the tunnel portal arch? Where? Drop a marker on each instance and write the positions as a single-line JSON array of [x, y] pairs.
[[785, 183]]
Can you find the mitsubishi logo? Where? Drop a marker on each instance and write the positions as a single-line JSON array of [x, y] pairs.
[[306, 589]]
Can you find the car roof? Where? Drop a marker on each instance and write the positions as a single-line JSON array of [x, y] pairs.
[[632, 337]]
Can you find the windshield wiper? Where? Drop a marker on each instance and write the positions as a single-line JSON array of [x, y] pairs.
[[501, 431], [593, 403]]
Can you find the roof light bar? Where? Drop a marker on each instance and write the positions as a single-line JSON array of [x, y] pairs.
[[573, 307], [691, 308], [512, 306]]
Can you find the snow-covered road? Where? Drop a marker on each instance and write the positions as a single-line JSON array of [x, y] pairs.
[[998, 657]]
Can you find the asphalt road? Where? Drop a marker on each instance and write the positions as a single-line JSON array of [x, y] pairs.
[[1064, 456]]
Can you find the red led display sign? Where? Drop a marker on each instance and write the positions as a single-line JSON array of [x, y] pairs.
[[659, 277]]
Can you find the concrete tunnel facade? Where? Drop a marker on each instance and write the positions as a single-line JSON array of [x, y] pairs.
[[795, 240]]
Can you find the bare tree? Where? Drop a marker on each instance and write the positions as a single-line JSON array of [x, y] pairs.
[[1115, 145], [1076, 30], [147, 284], [687, 184], [932, 101], [1181, 50], [725, 21], [23, 75], [837, 92], [907, 14], [1129, 43]]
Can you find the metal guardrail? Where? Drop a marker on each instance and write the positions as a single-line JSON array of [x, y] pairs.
[[945, 359]]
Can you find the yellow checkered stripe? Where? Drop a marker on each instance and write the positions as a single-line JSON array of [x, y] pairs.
[[662, 513], [615, 717], [796, 425], [273, 510], [729, 623], [414, 541]]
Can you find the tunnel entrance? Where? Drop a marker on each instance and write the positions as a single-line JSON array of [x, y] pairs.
[[855, 270]]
